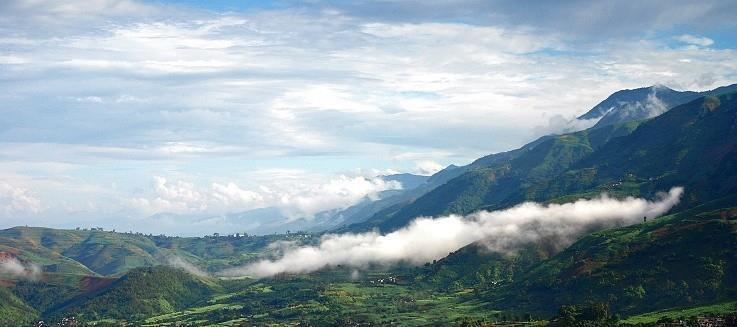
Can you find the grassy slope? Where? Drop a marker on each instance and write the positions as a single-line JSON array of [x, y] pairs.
[[78, 251], [142, 292]]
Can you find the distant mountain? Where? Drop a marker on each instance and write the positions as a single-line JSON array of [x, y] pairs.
[[642, 103], [408, 181], [270, 220]]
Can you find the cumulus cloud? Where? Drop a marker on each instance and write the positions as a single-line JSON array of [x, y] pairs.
[[295, 199], [504, 231], [17, 200], [14, 267], [340, 192]]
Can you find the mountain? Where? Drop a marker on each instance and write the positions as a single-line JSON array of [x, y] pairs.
[[684, 259], [643, 103], [408, 181], [691, 145], [493, 181]]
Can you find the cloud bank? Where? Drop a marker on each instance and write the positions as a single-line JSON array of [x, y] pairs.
[[504, 231]]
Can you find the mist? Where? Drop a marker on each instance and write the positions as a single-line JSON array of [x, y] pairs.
[[503, 231], [178, 262], [16, 268]]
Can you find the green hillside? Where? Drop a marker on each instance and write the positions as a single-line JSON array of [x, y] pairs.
[[692, 145], [674, 261], [142, 292], [80, 251], [491, 184], [107, 253], [13, 311]]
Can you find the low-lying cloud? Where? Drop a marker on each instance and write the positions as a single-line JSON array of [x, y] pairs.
[[16, 268], [503, 231], [178, 262]]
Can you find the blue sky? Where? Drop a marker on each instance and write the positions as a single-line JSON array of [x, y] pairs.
[[117, 110]]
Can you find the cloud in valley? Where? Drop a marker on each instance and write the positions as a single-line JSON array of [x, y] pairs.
[[503, 231], [18, 269]]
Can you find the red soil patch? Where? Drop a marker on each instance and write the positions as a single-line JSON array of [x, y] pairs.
[[90, 283]]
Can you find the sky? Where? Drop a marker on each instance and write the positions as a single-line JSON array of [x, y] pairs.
[[115, 111]]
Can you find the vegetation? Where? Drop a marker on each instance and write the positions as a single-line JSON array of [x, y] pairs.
[[14, 311]]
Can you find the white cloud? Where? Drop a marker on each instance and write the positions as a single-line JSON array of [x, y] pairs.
[[557, 124], [17, 200], [695, 40], [178, 262], [294, 197], [340, 192], [14, 267], [427, 239], [427, 167]]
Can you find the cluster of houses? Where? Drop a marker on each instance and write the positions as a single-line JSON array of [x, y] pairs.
[[388, 280], [703, 321], [64, 322]]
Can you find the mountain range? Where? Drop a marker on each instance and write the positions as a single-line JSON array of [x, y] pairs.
[[646, 140]]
